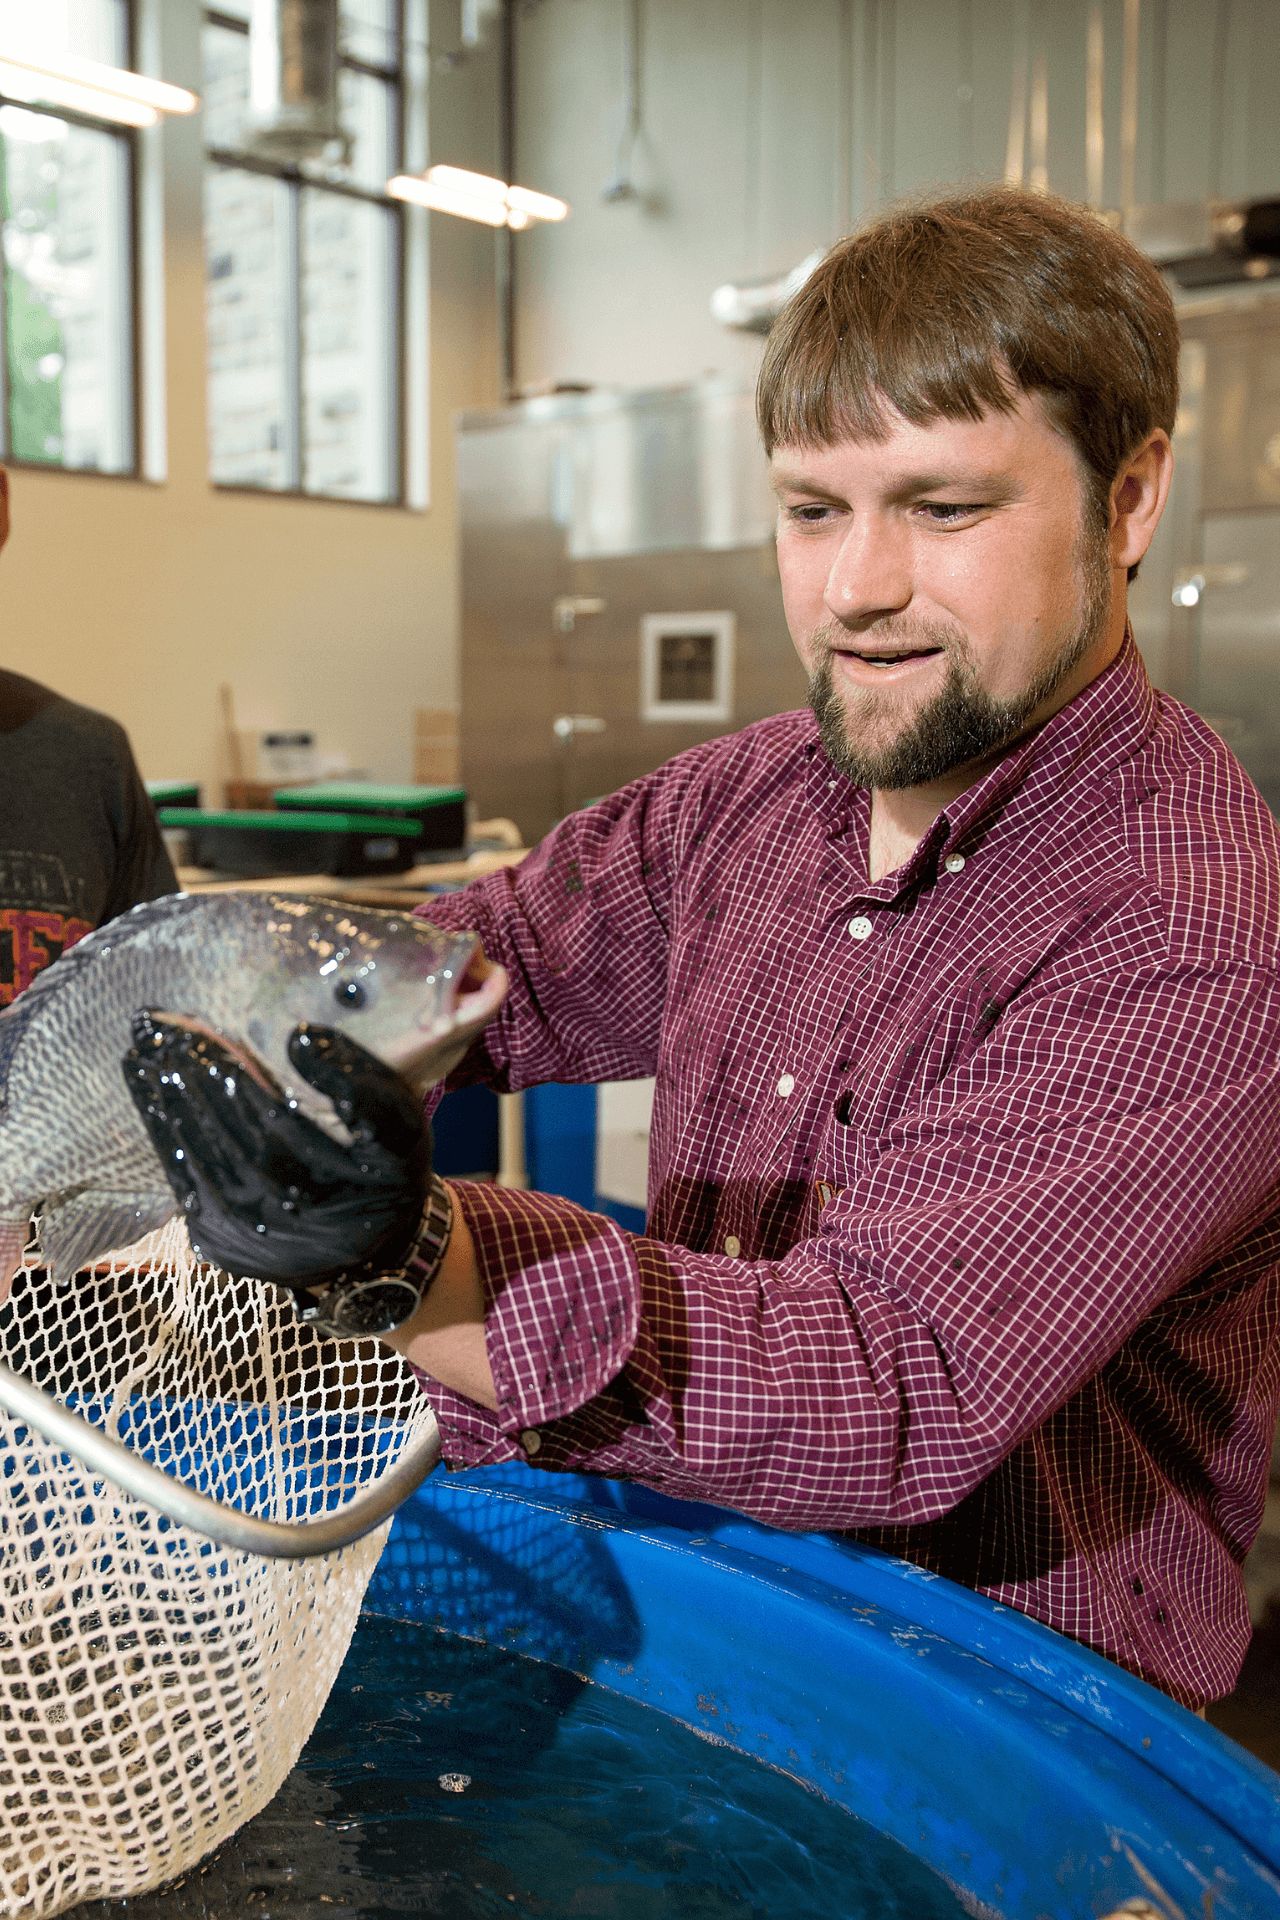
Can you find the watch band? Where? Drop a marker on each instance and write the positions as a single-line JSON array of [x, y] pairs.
[[357, 1306]]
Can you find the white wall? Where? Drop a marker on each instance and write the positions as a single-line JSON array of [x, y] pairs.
[[141, 598], [773, 126]]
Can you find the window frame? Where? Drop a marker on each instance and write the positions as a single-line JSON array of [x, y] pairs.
[[392, 75], [127, 137]]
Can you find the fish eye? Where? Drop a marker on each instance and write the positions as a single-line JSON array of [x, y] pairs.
[[349, 993]]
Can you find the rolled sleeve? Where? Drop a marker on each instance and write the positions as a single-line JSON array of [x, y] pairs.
[[562, 1311]]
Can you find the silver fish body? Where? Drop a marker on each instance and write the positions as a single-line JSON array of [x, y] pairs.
[[249, 966]]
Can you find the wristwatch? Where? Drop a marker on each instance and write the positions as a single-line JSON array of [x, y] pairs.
[[358, 1305]]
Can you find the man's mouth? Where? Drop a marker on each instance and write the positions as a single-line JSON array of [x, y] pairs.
[[880, 658]]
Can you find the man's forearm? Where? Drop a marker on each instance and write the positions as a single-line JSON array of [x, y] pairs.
[[445, 1337]]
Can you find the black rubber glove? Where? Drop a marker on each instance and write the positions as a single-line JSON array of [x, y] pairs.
[[264, 1190]]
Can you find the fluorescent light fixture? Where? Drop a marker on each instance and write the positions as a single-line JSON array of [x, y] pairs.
[[482, 185], [19, 83], [538, 206], [476, 196], [87, 86], [469, 206]]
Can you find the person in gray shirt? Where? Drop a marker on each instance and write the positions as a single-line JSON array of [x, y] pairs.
[[79, 838]]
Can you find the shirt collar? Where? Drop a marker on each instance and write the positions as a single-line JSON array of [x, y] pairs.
[[1074, 752]]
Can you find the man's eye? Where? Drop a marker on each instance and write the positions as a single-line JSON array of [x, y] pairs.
[[812, 514], [944, 512]]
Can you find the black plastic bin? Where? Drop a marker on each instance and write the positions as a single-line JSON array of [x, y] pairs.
[[256, 845], [439, 813], [174, 793]]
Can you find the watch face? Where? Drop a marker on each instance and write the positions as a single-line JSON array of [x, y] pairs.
[[356, 1309]]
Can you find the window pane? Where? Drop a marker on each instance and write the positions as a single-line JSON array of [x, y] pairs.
[[226, 86], [369, 32], [251, 308], [367, 110], [350, 361], [64, 196], [94, 29]]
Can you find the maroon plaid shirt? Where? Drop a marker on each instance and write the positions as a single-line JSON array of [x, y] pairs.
[[963, 1213]]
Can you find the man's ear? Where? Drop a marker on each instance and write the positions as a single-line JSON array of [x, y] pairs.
[[4, 506], [1137, 499]]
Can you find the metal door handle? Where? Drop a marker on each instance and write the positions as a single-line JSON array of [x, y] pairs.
[[566, 725], [571, 606]]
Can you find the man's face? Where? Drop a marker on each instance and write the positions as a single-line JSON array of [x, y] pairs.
[[944, 588]]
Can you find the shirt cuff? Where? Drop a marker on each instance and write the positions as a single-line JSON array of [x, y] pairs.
[[562, 1314]]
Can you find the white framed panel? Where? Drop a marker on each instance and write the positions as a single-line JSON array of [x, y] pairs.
[[686, 667]]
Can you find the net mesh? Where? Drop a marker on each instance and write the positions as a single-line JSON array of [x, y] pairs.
[[155, 1689]]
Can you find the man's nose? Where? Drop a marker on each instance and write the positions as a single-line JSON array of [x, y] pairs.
[[871, 574]]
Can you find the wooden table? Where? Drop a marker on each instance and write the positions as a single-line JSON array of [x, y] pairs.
[[407, 889]]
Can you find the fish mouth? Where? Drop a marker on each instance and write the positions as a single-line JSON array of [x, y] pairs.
[[476, 990]]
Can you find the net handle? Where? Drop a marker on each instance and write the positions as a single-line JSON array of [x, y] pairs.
[[196, 1512]]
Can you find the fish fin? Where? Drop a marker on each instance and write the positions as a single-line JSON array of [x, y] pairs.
[[14, 1235], [76, 1231]]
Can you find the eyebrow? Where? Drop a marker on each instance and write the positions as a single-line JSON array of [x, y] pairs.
[[992, 488]]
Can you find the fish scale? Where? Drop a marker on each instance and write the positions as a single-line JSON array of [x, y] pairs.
[[251, 967]]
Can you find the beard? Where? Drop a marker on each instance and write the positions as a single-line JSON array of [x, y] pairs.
[[962, 722]]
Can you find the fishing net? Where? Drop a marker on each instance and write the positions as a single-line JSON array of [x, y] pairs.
[[155, 1689]]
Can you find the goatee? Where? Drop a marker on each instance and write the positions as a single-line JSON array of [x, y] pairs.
[[963, 722]]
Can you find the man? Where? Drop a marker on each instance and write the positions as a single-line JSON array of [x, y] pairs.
[[962, 998], [79, 838], [961, 992]]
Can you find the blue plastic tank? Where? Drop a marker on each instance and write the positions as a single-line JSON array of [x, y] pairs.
[[1040, 1781]]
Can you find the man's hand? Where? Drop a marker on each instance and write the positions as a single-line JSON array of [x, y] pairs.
[[264, 1190]]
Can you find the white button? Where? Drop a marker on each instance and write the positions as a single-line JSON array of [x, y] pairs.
[[860, 927], [954, 863], [787, 1085], [732, 1245], [531, 1440]]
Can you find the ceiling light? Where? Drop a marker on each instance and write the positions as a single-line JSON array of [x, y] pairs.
[[426, 193], [476, 196], [87, 86], [538, 206], [482, 185]]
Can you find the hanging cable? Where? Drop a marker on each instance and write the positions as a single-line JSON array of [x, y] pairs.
[[622, 186]]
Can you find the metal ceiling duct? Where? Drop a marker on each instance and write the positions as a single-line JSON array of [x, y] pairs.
[[293, 81], [752, 306], [1205, 243]]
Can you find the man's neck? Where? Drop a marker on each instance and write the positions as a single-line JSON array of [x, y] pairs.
[[901, 818]]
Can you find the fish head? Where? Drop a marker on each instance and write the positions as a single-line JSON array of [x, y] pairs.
[[413, 994]]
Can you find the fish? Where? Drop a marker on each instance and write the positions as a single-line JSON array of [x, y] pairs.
[[247, 966]]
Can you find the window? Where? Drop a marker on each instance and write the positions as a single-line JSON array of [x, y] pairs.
[[66, 255], [304, 273]]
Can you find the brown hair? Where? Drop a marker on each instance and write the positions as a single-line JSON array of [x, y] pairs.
[[935, 305]]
